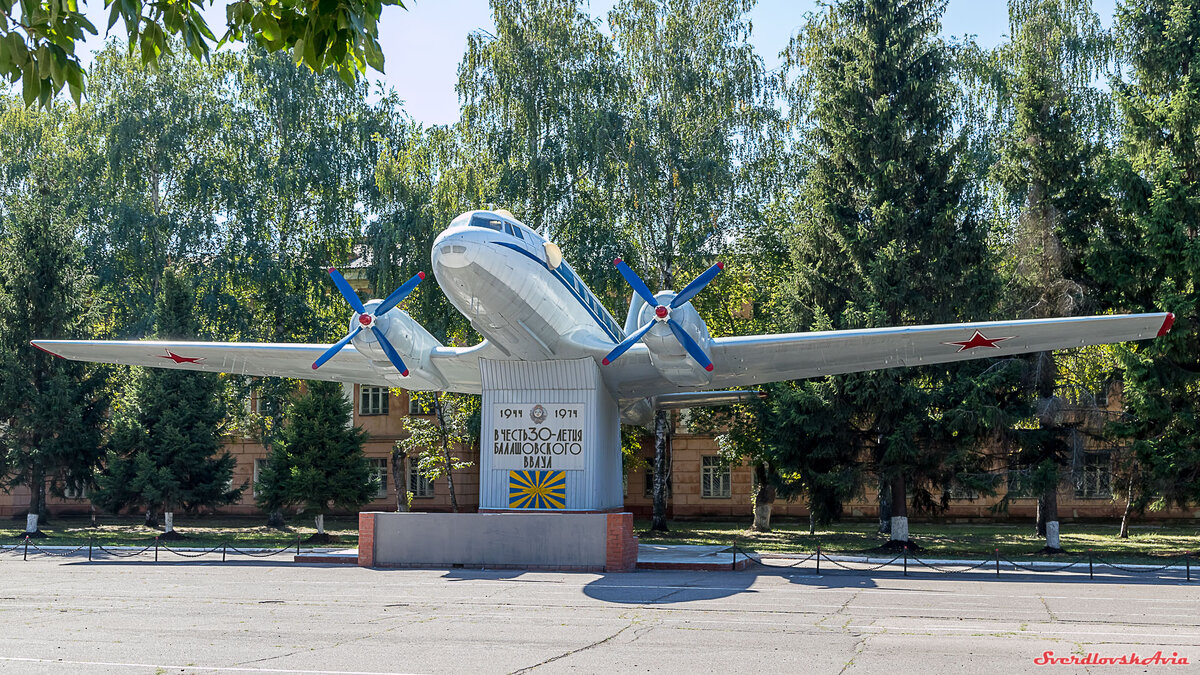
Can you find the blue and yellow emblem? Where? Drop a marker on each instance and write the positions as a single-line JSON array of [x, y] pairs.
[[537, 489]]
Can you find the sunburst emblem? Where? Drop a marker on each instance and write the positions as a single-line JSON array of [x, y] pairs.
[[537, 489]]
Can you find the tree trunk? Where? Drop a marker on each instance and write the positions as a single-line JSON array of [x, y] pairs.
[[1124, 533], [320, 523], [276, 520], [1040, 525], [168, 522], [659, 521], [812, 522], [764, 496], [441, 415], [400, 478], [151, 517], [885, 506], [1051, 516], [37, 490], [899, 510], [31, 523]]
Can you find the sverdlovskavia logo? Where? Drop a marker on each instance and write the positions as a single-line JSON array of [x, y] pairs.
[[1094, 659]]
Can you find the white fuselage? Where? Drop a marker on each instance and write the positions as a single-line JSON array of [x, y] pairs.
[[495, 271]]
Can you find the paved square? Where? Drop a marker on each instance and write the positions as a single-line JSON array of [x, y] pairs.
[[71, 616]]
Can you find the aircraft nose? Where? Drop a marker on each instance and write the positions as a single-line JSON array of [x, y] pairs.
[[454, 250]]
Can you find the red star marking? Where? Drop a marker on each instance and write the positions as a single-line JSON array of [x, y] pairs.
[[180, 359], [978, 340]]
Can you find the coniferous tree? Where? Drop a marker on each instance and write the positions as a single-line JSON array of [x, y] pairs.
[[165, 451], [51, 410], [317, 462], [1152, 253], [892, 239], [1050, 165]]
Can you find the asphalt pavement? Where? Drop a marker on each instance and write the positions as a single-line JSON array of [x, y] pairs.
[[71, 616]]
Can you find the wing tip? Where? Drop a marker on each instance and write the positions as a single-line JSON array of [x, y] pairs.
[[1168, 321], [34, 344]]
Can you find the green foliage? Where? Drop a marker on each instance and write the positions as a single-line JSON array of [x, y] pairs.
[[317, 461], [1155, 245], [165, 448], [51, 410], [38, 37]]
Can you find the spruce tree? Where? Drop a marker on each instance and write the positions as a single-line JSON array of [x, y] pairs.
[[1152, 255], [317, 462], [51, 410], [892, 239], [165, 450]]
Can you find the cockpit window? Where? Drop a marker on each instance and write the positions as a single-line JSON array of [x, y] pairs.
[[488, 220]]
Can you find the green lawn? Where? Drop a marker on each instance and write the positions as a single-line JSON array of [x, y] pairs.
[[1016, 541], [977, 541], [199, 532]]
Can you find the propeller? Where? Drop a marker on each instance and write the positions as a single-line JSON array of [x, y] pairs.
[[662, 313], [368, 319]]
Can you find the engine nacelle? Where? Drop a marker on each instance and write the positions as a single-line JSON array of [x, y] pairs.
[[409, 338], [667, 355]]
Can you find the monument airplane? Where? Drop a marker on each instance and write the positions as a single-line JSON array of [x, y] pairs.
[[546, 333]]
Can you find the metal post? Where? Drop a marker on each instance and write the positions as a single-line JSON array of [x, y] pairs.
[[156, 548], [906, 560], [26, 556], [734, 566], [818, 558], [297, 544], [90, 540], [997, 562], [1187, 563], [224, 549], [1091, 573]]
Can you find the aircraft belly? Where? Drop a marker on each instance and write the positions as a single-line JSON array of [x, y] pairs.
[[515, 307]]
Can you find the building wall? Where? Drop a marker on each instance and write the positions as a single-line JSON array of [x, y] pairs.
[[687, 453]]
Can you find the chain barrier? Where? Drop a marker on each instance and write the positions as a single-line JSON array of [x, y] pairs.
[[1092, 561], [1181, 560], [25, 545], [1030, 568]]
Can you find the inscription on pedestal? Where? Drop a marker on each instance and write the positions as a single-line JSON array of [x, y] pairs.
[[538, 436]]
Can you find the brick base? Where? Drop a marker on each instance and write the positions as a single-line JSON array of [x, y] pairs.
[[621, 545], [366, 539]]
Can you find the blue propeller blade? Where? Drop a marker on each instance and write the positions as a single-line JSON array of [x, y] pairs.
[[626, 344], [697, 285], [636, 282], [391, 352], [690, 345], [399, 294], [347, 291], [336, 348]]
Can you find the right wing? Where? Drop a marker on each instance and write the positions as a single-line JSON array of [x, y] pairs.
[[452, 368]]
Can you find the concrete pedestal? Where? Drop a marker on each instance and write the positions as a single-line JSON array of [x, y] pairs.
[[581, 542]]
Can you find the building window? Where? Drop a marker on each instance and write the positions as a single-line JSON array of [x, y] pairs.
[[71, 492], [418, 483], [650, 482], [1095, 476], [714, 478], [379, 472], [959, 491], [1020, 481], [258, 468], [373, 401], [418, 407]]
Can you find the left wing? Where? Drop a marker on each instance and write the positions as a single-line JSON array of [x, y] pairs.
[[757, 359]]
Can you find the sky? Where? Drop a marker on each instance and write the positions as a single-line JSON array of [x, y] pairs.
[[424, 44]]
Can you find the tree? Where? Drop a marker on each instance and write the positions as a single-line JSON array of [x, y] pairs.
[[680, 164], [1050, 165], [892, 238], [317, 461], [432, 442], [1151, 252], [51, 410], [165, 451], [38, 38]]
